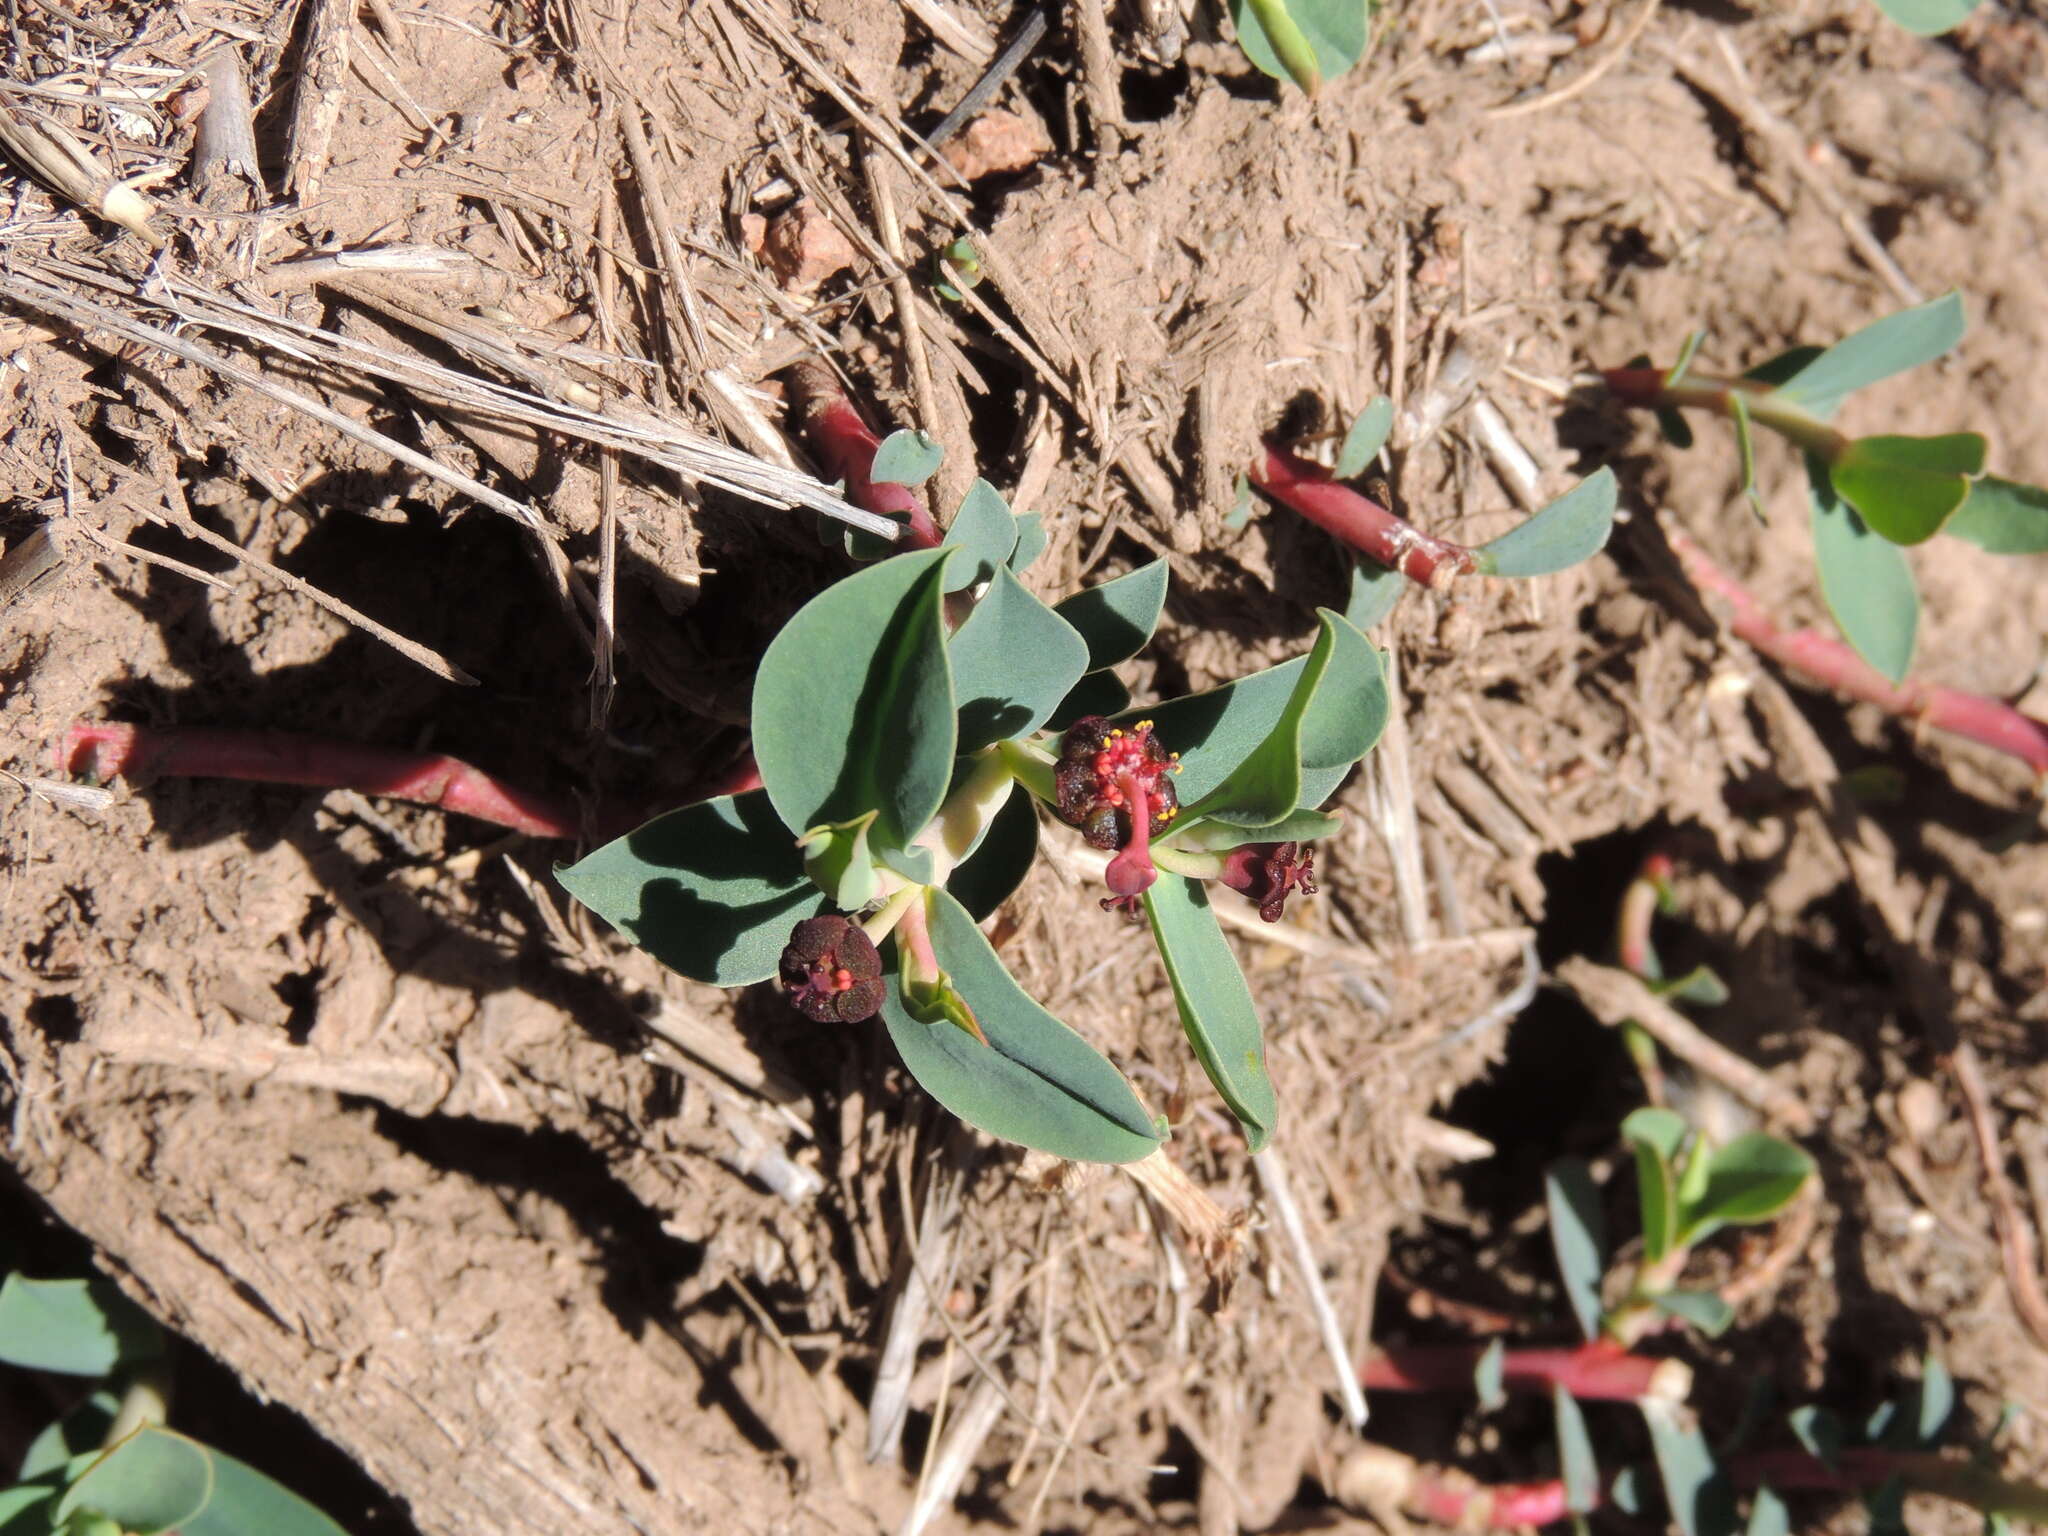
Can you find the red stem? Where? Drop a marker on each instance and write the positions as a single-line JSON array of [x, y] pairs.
[[1639, 904], [1472, 1507], [1833, 664], [275, 757], [1601, 1370], [1365, 525], [845, 446]]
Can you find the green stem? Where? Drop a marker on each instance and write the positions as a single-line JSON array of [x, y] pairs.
[[967, 812], [1193, 863], [1647, 387], [1032, 767], [1290, 45]]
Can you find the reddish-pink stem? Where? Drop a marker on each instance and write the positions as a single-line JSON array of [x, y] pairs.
[[275, 757], [1365, 525], [1638, 905], [1463, 1506], [1831, 662], [845, 446], [1601, 1370]]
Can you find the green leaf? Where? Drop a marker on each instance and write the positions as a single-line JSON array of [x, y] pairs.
[[2003, 517], [983, 880], [1036, 1082], [1099, 693], [711, 890], [83, 1429], [1215, 1004], [1240, 512], [1704, 1310], [1118, 617], [853, 703], [1013, 661], [1768, 1515], [1819, 1431], [152, 1481], [1656, 1135], [1578, 1236], [1348, 714], [1489, 1375], [1698, 985], [1878, 351], [1745, 446], [1308, 41], [1374, 592], [1907, 487], [1367, 436], [1266, 784], [986, 533], [907, 458], [1749, 1180], [1219, 836], [1785, 366], [1934, 1399], [839, 862], [247, 1503], [1572, 528], [1865, 579], [1686, 353], [27, 1510], [1701, 1500], [1575, 1457], [1031, 541], [74, 1327], [1928, 18]]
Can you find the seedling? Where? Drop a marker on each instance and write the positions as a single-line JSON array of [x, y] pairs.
[[905, 762], [1870, 497], [1306, 41], [1648, 894], [111, 1467]]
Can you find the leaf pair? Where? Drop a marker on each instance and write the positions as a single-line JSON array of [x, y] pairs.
[[1687, 1198]]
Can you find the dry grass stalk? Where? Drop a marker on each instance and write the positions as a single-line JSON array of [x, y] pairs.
[[323, 86], [54, 156], [948, 1469], [889, 1402], [1273, 1176]]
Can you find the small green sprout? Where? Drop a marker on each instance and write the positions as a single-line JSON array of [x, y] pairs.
[[1306, 41], [957, 266]]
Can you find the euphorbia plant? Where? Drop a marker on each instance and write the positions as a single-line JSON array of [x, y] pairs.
[[910, 723], [1871, 497]]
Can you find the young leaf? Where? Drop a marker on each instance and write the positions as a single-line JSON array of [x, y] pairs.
[[1928, 18], [1882, 348], [1374, 592], [1489, 1376], [1031, 541], [1865, 579], [1704, 1310], [1241, 504], [1656, 1135], [1698, 1492], [1698, 985], [1935, 1400], [247, 1503], [1578, 1236], [1367, 436], [1309, 41], [1768, 1515], [73, 1327], [840, 863], [1036, 1082], [152, 1481], [907, 458], [1905, 488], [1118, 617], [1749, 1180], [2003, 517], [1013, 661], [1819, 1431], [853, 703], [1266, 783], [983, 880], [711, 890], [1215, 1004], [985, 532], [1745, 446], [1572, 528], [1687, 351], [1575, 1457]]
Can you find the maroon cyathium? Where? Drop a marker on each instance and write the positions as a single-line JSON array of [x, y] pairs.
[[832, 971]]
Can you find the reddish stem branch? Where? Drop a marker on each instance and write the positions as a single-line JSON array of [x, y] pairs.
[[1639, 903], [1853, 1470], [1831, 662], [1365, 525], [1601, 1370], [274, 757], [845, 446], [1381, 1482]]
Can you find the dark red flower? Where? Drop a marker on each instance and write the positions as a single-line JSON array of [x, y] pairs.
[[1269, 873], [833, 971], [1116, 785]]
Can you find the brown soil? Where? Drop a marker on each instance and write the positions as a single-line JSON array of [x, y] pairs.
[[549, 1240]]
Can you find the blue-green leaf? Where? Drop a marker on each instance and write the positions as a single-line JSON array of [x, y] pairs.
[[1099, 693], [1031, 541], [1219, 836], [1571, 529], [75, 1327], [853, 704], [1934, 1400], [1308, 41], [1768, 1515], [1374, 592], [247, 1503], [83, 1429], [1367, 436], [1818, 1430], [907, 458], [983, 880], [1013, 661], [711, 890], [1928, 18], [2003, 517], [152, 1481], [1751, 1179], [1865, 579], [839, 862], [1118, 617], [1575, 1457], [1704, 1310], [27, 1510], [1905, 488], [1578, 1237], [1216, 1006], [1348, 714], [1489, 1376], [1700, 1497], [1656, 1135], [1878, 351], [1036, 1082], [1266, 783], [985, 532]]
